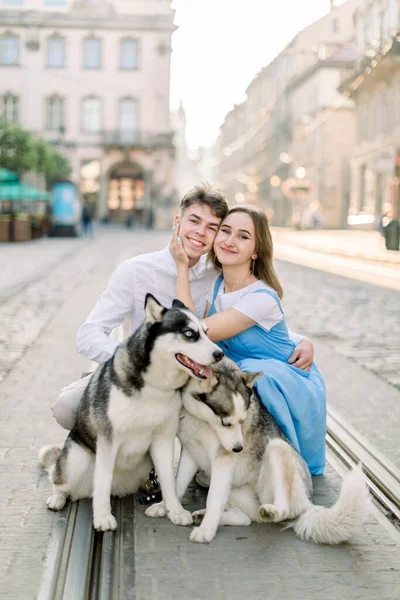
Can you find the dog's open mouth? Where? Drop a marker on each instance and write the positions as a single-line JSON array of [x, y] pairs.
[[200, 371]]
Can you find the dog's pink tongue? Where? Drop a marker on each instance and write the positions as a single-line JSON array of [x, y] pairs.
[[202, 371], [207, 372]]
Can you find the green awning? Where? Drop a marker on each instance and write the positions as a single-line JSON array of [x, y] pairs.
[[19, 192], [6, 175]]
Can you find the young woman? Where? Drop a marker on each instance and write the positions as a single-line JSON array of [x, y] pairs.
[[245, 317]]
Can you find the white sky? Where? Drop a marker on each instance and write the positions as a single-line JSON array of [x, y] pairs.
[[219, 47]]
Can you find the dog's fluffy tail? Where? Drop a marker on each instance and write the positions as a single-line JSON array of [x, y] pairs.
[[48, 456], [338, 523]]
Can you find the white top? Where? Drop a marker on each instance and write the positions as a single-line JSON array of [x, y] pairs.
[[262, 308], [123, 300]]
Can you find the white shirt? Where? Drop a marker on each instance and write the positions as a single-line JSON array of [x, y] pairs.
[[261, 308], [154, 272]]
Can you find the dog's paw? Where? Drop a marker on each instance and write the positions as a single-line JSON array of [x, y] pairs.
[[105, 523], [180, 517], [201, 535], [271, 514], [156, 511], [198, 516], [56, 502]]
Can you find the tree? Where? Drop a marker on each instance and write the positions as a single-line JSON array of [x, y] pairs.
[[15, 148], [21, 151]]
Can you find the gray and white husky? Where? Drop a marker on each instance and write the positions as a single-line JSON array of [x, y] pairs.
[[256, 474], [128, 417]]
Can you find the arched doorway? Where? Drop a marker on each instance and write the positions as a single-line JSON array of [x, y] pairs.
[[126, 194]]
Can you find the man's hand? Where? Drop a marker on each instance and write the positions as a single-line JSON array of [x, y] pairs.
[[176, 248], [303, 355]]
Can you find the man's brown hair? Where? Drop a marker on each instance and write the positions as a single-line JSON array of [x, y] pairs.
[[205, 194]]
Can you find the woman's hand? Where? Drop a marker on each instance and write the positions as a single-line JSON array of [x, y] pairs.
[[303, 355], [176, 248]]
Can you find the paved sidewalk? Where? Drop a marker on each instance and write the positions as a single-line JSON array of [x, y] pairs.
[[366, 245], [23, 263], [257, 562]]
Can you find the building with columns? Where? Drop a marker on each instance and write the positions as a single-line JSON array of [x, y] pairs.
[[374, 86], [93, 78]]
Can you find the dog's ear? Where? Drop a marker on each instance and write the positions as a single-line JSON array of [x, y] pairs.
[[178, 304], [154, 311], [249, 379]]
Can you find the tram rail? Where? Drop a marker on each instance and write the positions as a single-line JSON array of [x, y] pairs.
[[381, 476], [83, 564]]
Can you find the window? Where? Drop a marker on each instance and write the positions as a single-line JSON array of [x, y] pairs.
[[321, 52], [13, 2], [55, 114], [383, 109], [336, 25], [92, 115], [9, 105], [128, 119], [92, 54], [364, 121], [397, 102], [129, 54], [56, 52], [9, 50]]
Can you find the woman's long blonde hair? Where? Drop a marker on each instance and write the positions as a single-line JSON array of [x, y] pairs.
[[263, 265]]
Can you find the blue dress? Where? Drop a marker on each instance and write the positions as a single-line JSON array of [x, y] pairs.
[[296, 398]]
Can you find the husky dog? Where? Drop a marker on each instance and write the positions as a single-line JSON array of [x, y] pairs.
[[256, 474], [129, 415]]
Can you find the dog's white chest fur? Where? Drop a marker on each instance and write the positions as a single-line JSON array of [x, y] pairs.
[[200, 440], [203, 444], [135, 421]]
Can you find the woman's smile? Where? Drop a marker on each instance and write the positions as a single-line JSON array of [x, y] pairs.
[[227, 250]]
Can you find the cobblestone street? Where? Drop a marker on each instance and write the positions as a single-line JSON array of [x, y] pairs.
[[37, 279], [50, 289], [361, 321]]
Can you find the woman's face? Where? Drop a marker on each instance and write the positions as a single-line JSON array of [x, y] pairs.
[[235, 243]]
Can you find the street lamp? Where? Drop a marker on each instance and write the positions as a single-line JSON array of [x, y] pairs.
[[285, 158], [300, 172], [275, 181], [240, 198]]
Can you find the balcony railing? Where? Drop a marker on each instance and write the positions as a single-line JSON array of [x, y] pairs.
[[371, 57], [129, 139]]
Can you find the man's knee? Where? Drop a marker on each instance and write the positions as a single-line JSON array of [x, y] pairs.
[[63, 412], [66, 406]]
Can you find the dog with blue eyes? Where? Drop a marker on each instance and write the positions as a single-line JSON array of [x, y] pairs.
[[128, 417]]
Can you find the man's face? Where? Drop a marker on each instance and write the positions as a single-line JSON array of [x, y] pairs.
[[198, 227]]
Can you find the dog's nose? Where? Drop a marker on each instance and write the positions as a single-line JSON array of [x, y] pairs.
[[237, 448], [218, 355]]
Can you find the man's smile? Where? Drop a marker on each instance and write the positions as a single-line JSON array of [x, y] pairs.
[[196, 243]]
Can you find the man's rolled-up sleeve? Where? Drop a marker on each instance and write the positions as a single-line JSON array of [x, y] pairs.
[[111, 308]]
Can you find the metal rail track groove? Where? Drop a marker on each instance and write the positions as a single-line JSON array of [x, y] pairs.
[[382, 477], [83, 564]]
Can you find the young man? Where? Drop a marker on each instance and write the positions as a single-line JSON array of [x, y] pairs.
[[201, 212]]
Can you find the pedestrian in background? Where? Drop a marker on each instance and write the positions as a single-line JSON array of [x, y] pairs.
[[86, 218]]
